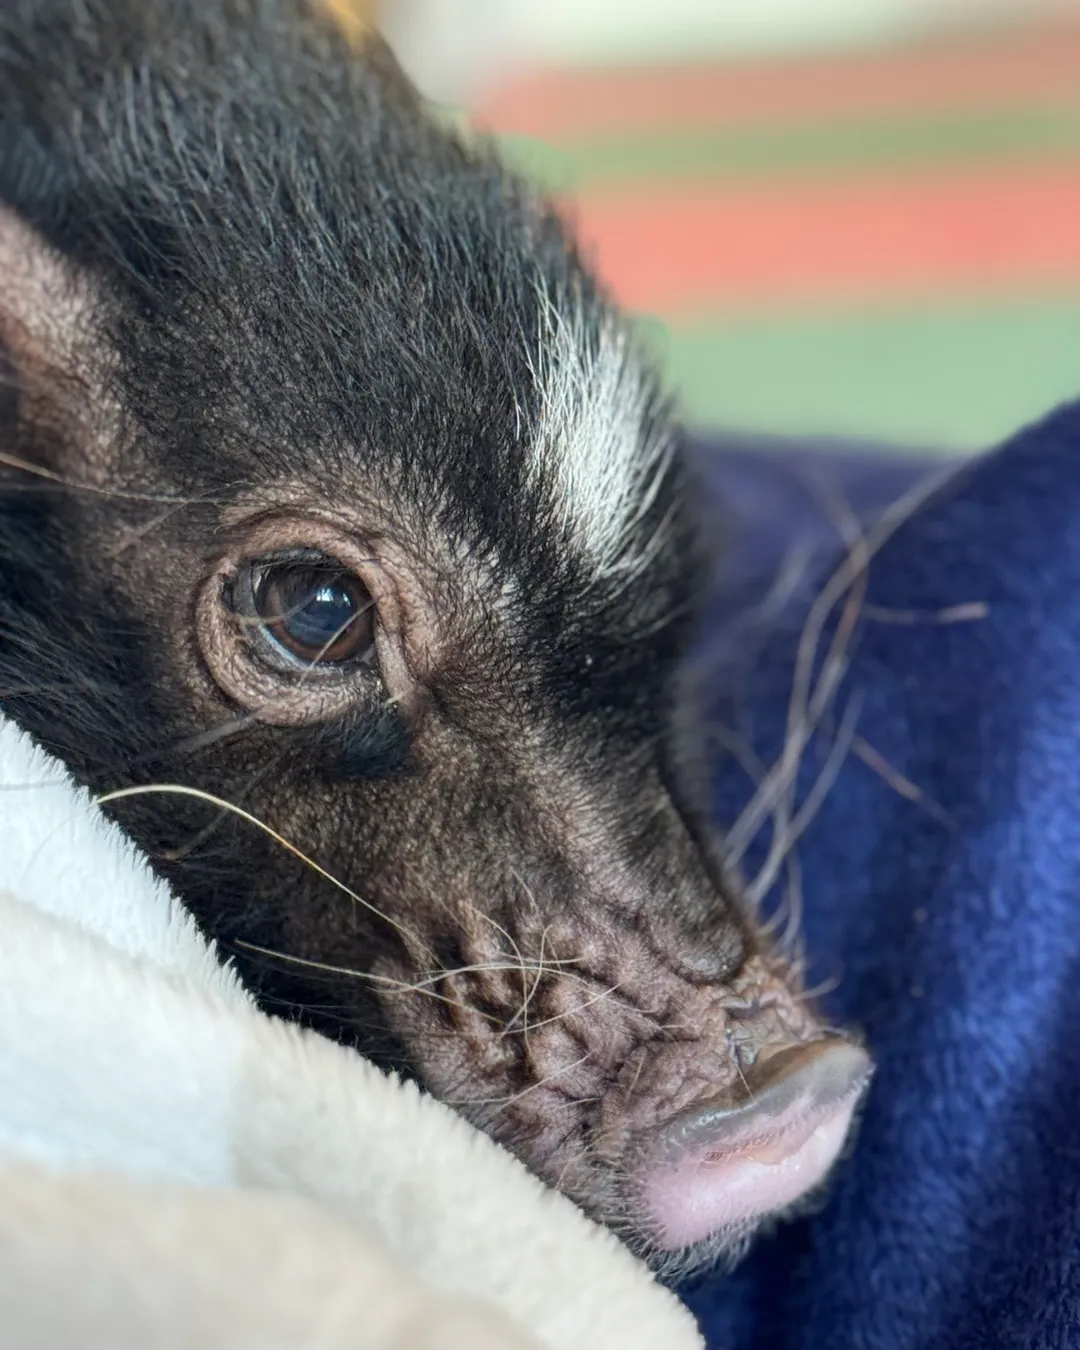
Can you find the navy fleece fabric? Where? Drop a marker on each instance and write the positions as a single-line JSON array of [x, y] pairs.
[[950, 922]]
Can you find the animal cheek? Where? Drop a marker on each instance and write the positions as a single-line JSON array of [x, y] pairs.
[[724, 1164]]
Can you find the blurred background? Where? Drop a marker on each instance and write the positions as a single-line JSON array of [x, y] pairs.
[[842, 216]]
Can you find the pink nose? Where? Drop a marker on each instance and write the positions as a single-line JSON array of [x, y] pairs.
[[723, 1164]]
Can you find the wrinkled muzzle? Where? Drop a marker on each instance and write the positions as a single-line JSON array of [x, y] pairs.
[[680, 1113]]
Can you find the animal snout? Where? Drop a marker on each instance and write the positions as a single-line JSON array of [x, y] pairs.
[[723, 1164]]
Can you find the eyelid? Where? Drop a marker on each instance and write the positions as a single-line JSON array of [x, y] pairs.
[[314, 556], [258, 678]]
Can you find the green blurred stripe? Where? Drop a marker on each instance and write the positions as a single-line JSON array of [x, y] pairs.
[[992, 136], [960, 375]]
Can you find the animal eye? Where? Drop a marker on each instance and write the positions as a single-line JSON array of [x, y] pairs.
[[320, 614]]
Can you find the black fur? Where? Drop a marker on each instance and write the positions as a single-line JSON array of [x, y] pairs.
[[303, 286]]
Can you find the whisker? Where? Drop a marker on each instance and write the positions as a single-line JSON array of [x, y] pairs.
[[970, 612], [903, 786], [137, 534], [479, 967], [570, 1012], [643, 1055], [208, 831], [180, 790], [765, 878], [48, 476], [216, 734], [809, 700], [527, 993], [503, 1102], [819, 990], [328, 968]]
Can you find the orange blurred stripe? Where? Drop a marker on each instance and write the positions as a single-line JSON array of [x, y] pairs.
[[862, 239], [1030, 65]]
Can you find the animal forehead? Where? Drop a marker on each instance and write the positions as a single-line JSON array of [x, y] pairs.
[[518, 429], [291, 209], [571, 460]]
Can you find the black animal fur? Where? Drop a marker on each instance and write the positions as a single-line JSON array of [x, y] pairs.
[[298, 281]]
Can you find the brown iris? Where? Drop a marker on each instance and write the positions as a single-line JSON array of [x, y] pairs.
[[317, 613]]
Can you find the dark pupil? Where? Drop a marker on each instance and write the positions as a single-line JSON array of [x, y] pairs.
[[317, 613]]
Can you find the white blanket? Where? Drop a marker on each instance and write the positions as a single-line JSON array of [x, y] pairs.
[[179, 1170]]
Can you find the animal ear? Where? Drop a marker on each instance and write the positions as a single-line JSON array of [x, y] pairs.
[[49, 362]]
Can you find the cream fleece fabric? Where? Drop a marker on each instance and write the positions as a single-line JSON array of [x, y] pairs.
[[178, 1169]]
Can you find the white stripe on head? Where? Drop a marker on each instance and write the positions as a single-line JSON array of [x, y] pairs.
[[593, 439]]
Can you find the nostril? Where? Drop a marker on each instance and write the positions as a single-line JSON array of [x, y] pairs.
[[725, 1163]]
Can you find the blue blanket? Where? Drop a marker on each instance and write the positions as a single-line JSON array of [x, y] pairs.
[[940, 880]]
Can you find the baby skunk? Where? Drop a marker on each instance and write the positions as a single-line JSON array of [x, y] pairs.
[[334, 487]]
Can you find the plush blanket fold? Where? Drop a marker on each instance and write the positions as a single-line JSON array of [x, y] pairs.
[[178, 1169]]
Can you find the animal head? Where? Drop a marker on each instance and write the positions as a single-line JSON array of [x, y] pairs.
[[335, 490]]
